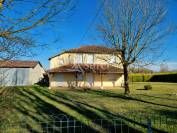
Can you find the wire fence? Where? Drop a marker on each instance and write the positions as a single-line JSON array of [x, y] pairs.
[[65, 124], [164, 123]]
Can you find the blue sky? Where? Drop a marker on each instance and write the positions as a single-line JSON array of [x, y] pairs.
[[69, 32]]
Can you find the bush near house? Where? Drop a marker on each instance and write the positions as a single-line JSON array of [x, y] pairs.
[[156, 77]]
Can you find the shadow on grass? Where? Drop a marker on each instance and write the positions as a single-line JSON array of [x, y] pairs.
[[95, 113], [7, 95], [115, 95], [159, 97], [141, 89], [35, 109], [168, 113], [90, 112], [42, 114]]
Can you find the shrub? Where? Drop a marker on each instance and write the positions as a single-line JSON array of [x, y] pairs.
[[86, 88], [140, 77], [156, 77], [148, 87]]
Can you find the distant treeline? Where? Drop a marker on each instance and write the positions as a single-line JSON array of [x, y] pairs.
[[155, 77], [139, 70]]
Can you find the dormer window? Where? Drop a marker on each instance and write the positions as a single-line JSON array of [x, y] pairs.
[[90, 58], [79, 58]]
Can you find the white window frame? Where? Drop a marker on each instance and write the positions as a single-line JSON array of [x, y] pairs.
[[69, 59], [90, 58], [79, 58], [60, 61], [112, 59]]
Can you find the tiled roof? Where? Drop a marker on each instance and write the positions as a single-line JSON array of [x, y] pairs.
[[96, 68], [18, 64], [89, 49]]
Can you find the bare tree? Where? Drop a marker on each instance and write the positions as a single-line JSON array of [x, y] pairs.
[[17, 20], [19, 17], [135, 28]]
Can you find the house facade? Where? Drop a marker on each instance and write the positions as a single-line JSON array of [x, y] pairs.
[[87, 66], [20, 73]]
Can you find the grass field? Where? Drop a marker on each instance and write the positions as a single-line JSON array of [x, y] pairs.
[[34, 104]]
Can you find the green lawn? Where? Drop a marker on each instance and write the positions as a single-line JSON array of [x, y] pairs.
[[31, 105]]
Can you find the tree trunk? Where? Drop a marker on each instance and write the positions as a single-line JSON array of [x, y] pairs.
[[126, 82], [76, 79]]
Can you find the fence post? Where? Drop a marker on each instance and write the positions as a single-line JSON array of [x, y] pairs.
[[68, 126], [115, 126], [74, 126], [61, 129], [47, 128], [149, 130]]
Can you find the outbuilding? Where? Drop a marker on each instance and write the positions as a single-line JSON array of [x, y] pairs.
[[20, 73]]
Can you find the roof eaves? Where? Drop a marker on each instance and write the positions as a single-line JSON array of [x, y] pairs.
[[81, 52], [56, 55]]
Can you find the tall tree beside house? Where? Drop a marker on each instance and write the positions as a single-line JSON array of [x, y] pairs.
[[135, 28]]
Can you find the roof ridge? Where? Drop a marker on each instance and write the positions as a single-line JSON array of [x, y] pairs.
[[89, 49], [18, 63]]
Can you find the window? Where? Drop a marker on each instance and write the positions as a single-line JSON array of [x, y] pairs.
[[61, 62], [111, 77], [90, 59], [69, 59], [112, 59], [79, 76], [79, 59]]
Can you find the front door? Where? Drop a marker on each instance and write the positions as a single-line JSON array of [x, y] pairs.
[[90, 79]]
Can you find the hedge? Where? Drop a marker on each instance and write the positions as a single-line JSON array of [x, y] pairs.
[[166, 77]]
